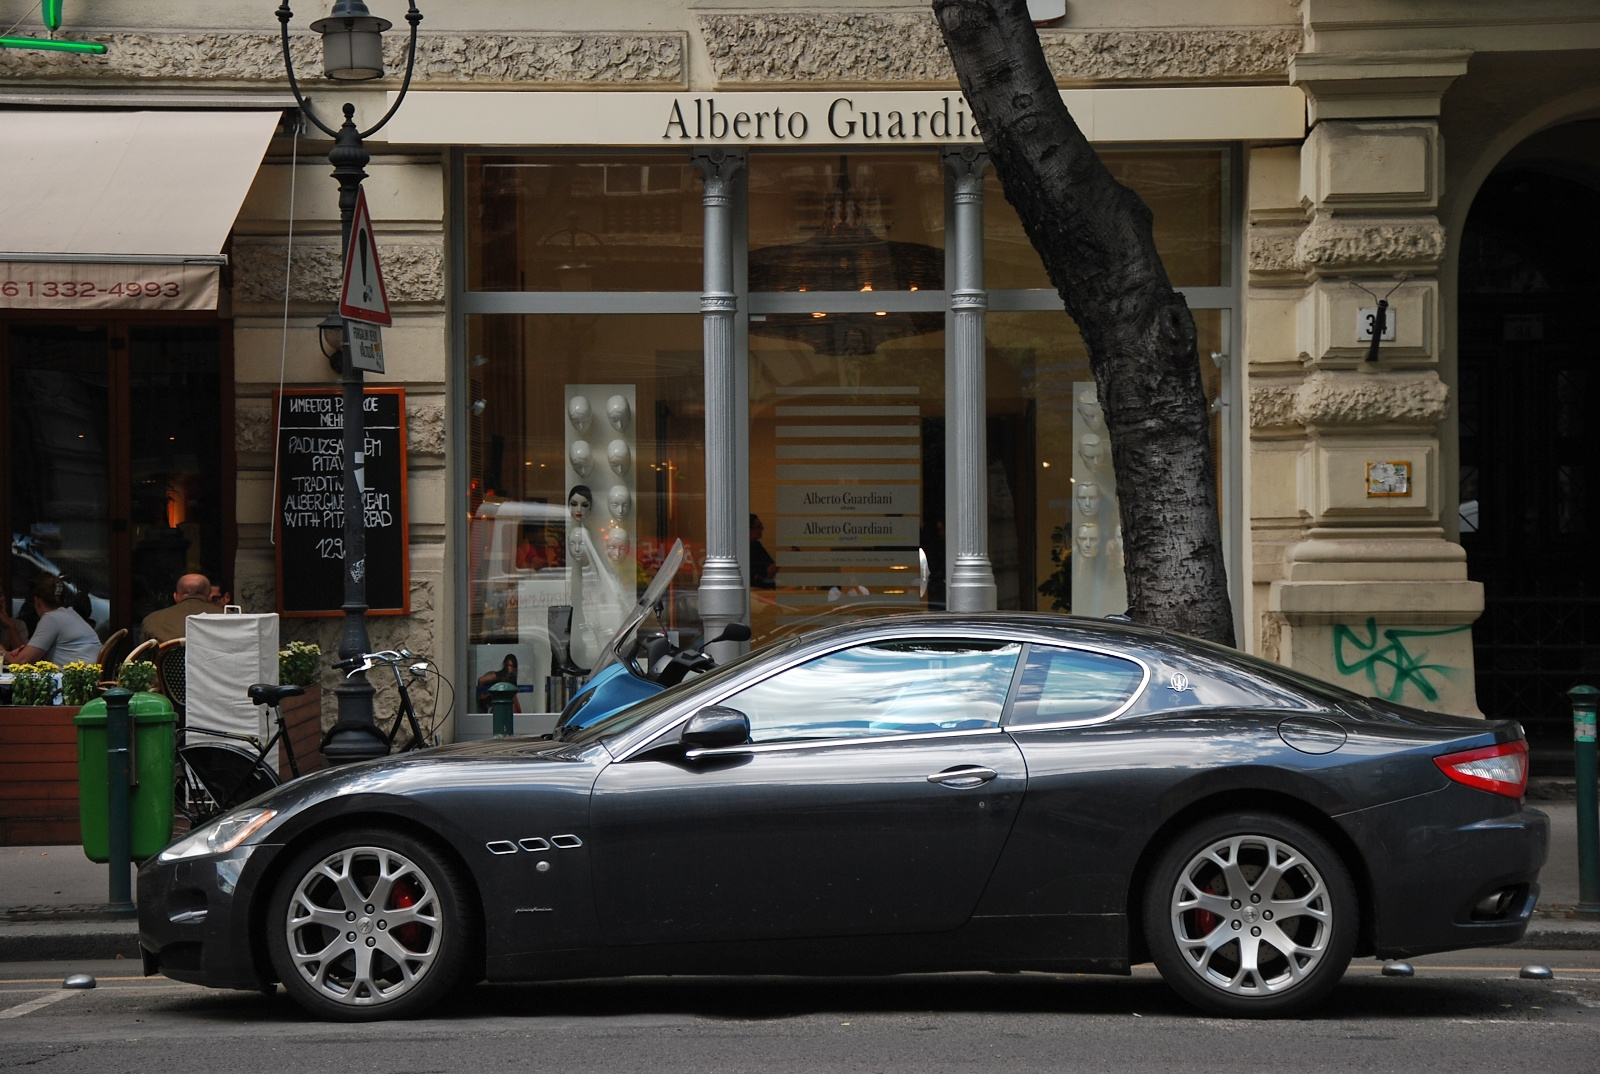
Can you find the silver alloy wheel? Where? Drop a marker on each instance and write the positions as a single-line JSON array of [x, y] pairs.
[[1251, 915], [363, 926]]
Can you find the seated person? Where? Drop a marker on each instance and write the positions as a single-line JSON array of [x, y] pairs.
[[190, 596], [13, 632], [63, 636]]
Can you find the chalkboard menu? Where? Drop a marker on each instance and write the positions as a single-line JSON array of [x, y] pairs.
[[309, 507]]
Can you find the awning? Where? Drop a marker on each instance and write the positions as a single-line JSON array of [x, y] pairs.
[[122, 210]]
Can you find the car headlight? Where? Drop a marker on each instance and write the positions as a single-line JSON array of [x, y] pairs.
[[220, 836]]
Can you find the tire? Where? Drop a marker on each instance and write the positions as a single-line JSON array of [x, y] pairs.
[[369, 924], [1229, 944]]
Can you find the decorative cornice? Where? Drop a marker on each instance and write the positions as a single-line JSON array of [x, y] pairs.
[[636, 60], [851, 48], [1334, 245], [412, 272]]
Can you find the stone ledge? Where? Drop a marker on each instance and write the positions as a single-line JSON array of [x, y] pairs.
[[854, 47], [1370, 245], [412, 272], [635, 60]]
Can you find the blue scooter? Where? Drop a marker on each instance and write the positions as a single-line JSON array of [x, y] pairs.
[[635, 665]]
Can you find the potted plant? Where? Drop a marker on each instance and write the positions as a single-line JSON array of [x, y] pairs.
[[137, 675], [300, 664], [41, 800]]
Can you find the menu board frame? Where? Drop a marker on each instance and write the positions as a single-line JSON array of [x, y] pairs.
[[393, 439]]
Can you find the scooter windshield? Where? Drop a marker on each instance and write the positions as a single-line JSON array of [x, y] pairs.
[[622, 641]]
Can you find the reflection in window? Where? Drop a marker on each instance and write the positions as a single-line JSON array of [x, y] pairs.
[[586, 463], [1185, 191], [1069, 685], [547, 223], [891, 688]]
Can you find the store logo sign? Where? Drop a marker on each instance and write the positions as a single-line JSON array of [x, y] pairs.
[[940, 118]]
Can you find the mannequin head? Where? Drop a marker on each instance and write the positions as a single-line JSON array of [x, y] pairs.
[[620, 501], [1087, 496], [618, 413], [618, 456], [1091, 449], [581, 457], [580, 501], [1089, 409], [1087, 541], [579, 413]]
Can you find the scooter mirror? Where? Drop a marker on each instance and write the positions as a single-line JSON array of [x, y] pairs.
[[732, 632]]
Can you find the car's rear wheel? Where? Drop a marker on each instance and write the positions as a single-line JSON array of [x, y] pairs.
[[369, 924], [1251, 915]]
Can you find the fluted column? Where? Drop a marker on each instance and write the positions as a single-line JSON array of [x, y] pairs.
[[724, 594], [971, 587]]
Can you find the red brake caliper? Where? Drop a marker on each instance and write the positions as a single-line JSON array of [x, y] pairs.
[[1205, 920], [404, 895]]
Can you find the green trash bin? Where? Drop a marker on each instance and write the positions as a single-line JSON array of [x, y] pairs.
[[150, 800]]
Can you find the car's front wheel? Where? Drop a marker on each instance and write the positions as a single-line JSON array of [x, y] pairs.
[[369, 924], [1251, 915]]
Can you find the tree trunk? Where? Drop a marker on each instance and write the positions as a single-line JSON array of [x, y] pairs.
[[1095, 238]]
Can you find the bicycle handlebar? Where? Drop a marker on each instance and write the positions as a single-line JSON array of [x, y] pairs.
[[364, 662]]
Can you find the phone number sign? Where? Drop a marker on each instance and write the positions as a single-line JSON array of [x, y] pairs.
[[32, 285]]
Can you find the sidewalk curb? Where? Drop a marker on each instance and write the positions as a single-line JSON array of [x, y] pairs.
[[1560, 934], [52, 941], [57, 941]]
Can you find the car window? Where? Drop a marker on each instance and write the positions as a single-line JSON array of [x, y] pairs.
[[1069, 685], [885, 688]]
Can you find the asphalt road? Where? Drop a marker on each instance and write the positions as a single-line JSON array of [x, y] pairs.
[[1466, 1011]]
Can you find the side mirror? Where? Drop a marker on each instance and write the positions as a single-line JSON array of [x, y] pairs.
[[715, 727], [732, 632]]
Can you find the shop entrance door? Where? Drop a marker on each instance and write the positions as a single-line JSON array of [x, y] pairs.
[[117, 474], [1530, 464]]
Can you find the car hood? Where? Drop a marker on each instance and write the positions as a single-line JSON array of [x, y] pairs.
[[426, 777]]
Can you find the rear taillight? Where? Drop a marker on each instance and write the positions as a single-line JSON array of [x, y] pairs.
[[1501, 769]]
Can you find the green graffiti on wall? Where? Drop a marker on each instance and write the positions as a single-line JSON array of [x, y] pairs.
[[1393, 661]]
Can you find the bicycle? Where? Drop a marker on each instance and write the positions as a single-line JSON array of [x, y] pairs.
[[213, 777], [393, 659]]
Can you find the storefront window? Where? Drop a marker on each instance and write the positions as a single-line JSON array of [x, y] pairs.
[[60, 488], [547, 223], [851, 222], [587, 462], [115, 466], [1055, 538], [1184, 190], [846, 482]]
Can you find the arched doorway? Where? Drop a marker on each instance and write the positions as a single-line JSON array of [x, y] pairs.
[[1529, 375]]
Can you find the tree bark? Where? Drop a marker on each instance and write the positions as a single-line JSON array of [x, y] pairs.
[[1095, 238]]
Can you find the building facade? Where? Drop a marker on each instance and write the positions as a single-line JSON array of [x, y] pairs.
[[670, 270]]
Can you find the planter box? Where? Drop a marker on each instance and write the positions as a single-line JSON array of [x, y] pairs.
[[38, 776], [302, 716]]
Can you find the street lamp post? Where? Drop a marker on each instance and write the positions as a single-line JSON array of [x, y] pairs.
[[352, 50]]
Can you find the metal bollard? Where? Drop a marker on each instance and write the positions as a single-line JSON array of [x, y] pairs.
[[119, 773], [502, 695], [1585, 700]]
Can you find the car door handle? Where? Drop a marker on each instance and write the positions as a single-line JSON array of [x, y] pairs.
[[967, 775]]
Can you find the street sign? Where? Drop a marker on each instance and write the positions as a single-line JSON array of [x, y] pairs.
[[365, 345], [363, 297]]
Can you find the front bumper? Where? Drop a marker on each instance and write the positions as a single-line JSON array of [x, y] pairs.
[[194, 917], [1431, 859]]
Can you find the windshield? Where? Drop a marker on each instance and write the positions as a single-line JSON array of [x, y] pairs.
[[633, 716], [623, 638]]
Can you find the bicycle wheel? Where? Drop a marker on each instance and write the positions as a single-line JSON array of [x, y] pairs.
[[230, 775]]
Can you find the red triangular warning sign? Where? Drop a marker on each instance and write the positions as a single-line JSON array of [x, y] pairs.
[[363, 297]]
